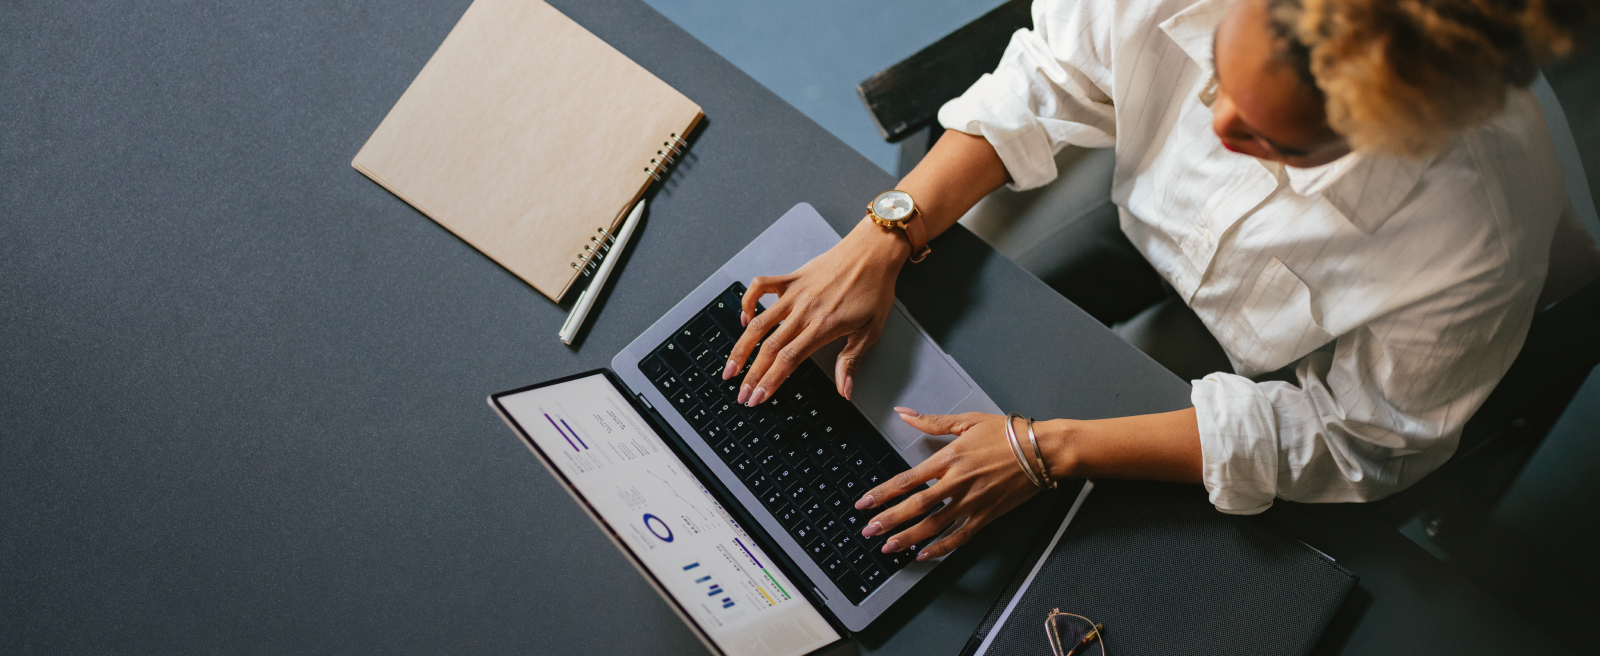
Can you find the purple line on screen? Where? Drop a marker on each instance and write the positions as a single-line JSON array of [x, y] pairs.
[[747, 553], [558, 430], [574, 434]]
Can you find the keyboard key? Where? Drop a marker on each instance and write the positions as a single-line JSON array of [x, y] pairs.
[[872, 574], [787, 516], [730, 452], [759, 483], [836, 567], [853, 587], [698, 326], [738, 426], [783, 476], [763, 421], [851, 488], [695, 380], [675, 357], [831, 527], [707, 358], [874, 478], [834, 470], [805, 534], [860, 560], [725, 412], [669, 385], [806, 470], [822, 487], [698, 417], [714, 433], [819, 550], [836, 505], [772, 498], [801, 493], [769, 462], [653, 367], [893, 562], [683, 398], [718, 339], [812, 510]]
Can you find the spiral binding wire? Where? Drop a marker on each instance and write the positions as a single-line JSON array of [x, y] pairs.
[[671, 148], [601, 243]]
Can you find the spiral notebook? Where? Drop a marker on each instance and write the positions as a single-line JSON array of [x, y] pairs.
[[529, 138]]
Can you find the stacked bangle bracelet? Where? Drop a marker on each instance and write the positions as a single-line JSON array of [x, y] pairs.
[[1016, 450], [1044, 470]]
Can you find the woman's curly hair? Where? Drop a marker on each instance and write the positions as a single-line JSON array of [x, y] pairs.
[[1404, 77]]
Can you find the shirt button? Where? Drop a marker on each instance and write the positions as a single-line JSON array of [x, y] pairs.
[[1208, 236]]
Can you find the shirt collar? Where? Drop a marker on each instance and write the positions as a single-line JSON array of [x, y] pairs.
[[1365, 188], [1193, 28]]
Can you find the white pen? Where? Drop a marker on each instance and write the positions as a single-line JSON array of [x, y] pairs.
[[580, 310]]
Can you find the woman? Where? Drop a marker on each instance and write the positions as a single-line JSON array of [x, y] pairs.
[[1369, 173]]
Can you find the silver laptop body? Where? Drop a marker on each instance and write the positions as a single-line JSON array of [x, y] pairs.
[[904, 368]]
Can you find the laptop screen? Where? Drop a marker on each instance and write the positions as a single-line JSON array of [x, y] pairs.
[[617, 464]]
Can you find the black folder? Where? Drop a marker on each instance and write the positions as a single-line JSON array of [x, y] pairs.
[[1165, 573]]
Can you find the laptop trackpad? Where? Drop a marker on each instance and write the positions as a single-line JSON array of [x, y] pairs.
[[903, 369]]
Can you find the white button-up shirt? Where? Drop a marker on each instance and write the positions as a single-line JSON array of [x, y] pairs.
[[1423, 274]]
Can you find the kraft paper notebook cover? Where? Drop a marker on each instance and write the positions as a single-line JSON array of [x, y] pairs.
[[529, 138]]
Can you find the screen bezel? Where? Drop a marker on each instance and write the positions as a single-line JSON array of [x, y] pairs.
[[697, 469]]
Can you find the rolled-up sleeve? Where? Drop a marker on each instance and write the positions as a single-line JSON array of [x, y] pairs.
[[1383, 410], [1047, 92]]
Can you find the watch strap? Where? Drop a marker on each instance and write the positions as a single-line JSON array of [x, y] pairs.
[[918, 234]]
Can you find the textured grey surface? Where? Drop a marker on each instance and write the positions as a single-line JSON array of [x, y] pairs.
[[241, 387]]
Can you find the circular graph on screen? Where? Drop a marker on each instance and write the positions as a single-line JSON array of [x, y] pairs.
[[652, 521]]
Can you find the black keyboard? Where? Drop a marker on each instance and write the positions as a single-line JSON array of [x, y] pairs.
[[807, 453]]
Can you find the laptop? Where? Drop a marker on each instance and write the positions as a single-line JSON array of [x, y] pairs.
[[744, 518]]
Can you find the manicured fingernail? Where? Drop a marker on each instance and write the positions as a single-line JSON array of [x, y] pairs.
[[891, 546], [744, 318], [926, 554], [730, 370], [871, 530], [866, 502], [849, 386], [744, 394], [907, 412], [757, 397]]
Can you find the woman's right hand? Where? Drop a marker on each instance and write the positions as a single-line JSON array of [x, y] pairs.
[[845, 292]]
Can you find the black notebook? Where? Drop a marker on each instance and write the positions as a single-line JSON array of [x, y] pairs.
[[1165, 573]]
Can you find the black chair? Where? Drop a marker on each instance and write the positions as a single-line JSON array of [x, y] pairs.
[[1562, 348]]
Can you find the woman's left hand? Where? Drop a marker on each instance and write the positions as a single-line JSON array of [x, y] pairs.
[[977, 472]]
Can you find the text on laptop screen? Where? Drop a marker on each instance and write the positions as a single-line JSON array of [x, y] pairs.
[[697, 552]]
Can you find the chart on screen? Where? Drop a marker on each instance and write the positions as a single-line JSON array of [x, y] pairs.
[[667, 518]]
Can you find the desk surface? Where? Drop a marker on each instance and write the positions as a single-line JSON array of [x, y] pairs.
[[243, 386]]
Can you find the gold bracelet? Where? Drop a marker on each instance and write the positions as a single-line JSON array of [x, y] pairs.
[[1044, 470], [1016, 450]]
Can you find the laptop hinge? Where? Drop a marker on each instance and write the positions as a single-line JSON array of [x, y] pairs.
[[645, 401]]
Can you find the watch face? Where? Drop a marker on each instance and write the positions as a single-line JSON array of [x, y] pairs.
[[892, 205]]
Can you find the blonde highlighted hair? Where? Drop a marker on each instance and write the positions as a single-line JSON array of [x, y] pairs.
[[1404, 77]]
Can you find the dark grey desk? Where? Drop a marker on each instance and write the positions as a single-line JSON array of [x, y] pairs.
[[241, 387]]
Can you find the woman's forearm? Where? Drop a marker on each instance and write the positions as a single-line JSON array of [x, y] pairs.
[[1163, 447], [958, 172]]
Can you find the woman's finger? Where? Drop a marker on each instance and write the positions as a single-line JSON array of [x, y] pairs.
[[941, 424], [761, 286], [779, 357], [754, 332], [844, 369], [916, 505], [905, 482], [926, 530], [965, 529]]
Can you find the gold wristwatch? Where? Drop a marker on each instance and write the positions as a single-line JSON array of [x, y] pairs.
[[895, 209]]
